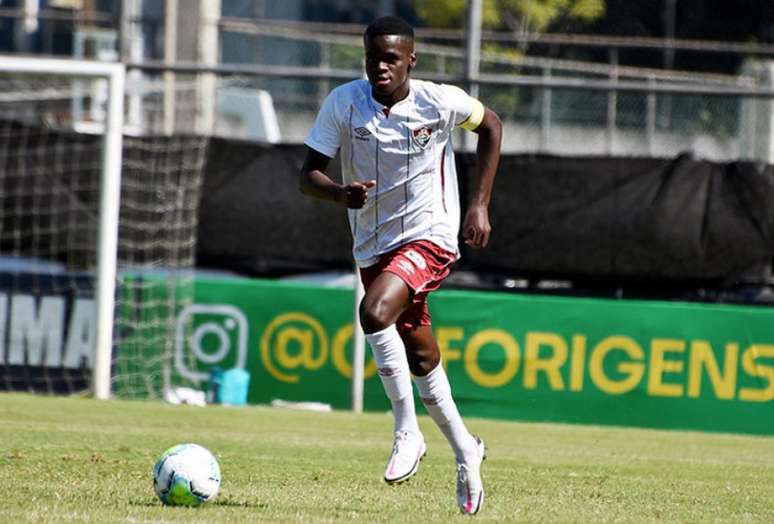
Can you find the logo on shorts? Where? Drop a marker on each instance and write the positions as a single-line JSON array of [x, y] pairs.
[[422, 136], [406, 266], [416, 258], [410, 260]]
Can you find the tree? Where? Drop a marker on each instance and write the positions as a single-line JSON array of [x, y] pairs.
[[520, 16]]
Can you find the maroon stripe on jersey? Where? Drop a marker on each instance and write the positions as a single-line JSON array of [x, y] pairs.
[[352, 166], [376, 195], [443, 179], [408, 172]]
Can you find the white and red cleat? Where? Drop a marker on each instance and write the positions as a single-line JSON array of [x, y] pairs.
[[407, 452], [470, 489]]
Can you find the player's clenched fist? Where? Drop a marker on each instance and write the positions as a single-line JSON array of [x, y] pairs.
[[355, 194], [476, 227]]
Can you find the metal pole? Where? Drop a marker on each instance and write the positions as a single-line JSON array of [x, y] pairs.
[[473, 45], [545, 115], [650, 119], [170, 57], [669, 56], [358, 348], [124, 30], [472, 54], [612, 103], [208, 53], [669, 33]]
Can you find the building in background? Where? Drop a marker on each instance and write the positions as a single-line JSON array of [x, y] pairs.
[[551, 100]]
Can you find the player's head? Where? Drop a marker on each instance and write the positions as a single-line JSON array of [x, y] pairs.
[[389, 50]]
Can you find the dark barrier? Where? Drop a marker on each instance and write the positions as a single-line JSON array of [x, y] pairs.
[[615, 217], [671, 219], [654, 220], [253, 219]]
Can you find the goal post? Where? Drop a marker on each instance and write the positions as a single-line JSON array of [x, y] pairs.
[[98, 227], [110, 187]]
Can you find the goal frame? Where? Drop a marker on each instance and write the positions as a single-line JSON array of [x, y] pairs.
[[110, 193]]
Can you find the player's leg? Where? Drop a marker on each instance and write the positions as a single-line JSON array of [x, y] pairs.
[[385, 299], [435, 391]]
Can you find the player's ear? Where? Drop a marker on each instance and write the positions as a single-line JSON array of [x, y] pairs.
[[412, 61]]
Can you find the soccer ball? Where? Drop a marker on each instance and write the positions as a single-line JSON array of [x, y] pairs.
[[186, 475]]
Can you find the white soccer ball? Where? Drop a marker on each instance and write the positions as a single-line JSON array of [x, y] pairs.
[[186, 475]]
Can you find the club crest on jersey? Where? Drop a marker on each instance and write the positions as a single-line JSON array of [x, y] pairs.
[[422, 136]]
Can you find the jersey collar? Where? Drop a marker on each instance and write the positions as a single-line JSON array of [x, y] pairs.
[[383, 110]]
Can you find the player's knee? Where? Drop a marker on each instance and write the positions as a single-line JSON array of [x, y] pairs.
[[375, 314], [423, 362]]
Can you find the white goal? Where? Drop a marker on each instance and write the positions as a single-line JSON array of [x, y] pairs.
[[97, 231]]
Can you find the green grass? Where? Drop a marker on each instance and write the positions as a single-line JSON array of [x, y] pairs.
[[79, 460]]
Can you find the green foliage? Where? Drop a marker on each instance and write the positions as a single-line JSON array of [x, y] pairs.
[[80, 460], [344, 56], [534, 15]]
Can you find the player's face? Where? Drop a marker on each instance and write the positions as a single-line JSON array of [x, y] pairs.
[[389, 59]]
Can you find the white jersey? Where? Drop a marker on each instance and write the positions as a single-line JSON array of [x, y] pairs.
[[407, 150]]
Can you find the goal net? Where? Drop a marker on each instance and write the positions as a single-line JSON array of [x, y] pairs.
[[69, 275]]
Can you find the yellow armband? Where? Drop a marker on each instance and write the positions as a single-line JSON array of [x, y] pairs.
[[476, 117]]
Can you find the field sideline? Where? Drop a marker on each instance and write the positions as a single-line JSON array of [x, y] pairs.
[[73, 459]]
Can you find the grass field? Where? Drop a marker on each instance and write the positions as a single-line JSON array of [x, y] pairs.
[[79, 460]]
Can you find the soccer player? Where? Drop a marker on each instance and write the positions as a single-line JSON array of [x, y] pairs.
[[400, 189]]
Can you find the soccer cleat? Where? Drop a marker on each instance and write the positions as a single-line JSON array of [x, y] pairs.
[[407, 451], [470, 489]]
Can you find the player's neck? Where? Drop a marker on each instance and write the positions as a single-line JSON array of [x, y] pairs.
[[396, 96]]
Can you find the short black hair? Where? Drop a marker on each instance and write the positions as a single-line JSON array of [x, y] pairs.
[[389, 25]]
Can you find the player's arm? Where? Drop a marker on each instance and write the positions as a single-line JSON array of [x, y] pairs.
[[476, 227], [315, 182]]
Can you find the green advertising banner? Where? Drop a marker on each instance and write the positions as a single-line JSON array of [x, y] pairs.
[[526, 357]]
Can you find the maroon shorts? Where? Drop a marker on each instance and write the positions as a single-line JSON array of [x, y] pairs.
[[422, 265]]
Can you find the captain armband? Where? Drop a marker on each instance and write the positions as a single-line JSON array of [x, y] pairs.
[[476, 117]]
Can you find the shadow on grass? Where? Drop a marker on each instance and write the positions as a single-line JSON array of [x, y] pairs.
[[151, 502]]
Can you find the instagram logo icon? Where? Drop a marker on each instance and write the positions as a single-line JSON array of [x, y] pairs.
[[209, 335]]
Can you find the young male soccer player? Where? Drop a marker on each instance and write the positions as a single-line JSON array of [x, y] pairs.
[[400, 188]]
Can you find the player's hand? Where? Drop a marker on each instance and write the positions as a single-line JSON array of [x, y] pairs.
[[476, 228], [355, 194]]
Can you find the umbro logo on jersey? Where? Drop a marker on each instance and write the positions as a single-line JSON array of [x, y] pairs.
[[362, 133], [422, 136]]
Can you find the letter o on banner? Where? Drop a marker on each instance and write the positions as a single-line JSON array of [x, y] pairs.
[[510, 363]]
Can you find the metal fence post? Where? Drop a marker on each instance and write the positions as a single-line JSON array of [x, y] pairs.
[[650, 118], [545, 114], [612, 103]]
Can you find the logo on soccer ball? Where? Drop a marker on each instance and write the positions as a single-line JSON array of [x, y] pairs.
[[422, 136]]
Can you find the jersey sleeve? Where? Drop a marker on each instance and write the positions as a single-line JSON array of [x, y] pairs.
[[467, 112], [325, 135]]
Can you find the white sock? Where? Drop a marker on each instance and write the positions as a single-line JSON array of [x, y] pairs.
[[435, 392], [392, 365]]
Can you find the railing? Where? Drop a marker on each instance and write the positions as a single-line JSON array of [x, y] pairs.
[[547, 105], [546, 114]]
